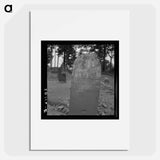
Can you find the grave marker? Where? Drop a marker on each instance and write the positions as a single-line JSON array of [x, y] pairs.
[[85, 85]]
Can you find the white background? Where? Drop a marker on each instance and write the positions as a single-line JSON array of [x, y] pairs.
[[144, 80], [79, 25]]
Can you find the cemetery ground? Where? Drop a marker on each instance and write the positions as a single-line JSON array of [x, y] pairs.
[[59, 95]]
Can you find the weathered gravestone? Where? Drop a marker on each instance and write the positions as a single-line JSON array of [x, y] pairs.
[[61, 75], [85, 85]]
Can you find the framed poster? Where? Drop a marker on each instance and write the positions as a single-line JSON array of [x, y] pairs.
[[79, 80]]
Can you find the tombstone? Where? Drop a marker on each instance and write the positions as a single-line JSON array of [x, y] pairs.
[[61, 75], [85, 85]]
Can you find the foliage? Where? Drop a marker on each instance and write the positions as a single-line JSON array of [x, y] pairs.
[[68, 53], [105, 53], [49, 53]]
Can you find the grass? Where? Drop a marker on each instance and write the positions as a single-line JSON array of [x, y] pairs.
[[59, 95]]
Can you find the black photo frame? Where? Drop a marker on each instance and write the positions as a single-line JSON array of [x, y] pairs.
[[44, 115]]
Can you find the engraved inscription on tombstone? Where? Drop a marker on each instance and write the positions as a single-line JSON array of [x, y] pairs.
[[85, 85]]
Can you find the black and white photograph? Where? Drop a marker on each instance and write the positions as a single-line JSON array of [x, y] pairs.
[[80, 79]]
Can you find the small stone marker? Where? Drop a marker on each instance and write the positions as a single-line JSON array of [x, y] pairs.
[[61, 76], [85, 85]]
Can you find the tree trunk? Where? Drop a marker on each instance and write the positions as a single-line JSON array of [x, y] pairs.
[[104, 61], [51, 62], [57, 61], [51, 58], [111, 63], [64, 60], [54, 59]]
